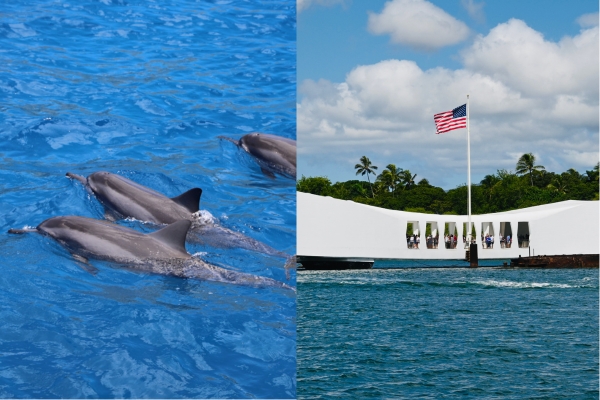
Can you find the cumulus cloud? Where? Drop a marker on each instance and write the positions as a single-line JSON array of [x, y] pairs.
[[527, 95], [518, 55], [418, 24]]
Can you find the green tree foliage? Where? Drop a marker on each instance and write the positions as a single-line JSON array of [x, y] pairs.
[[502, 191], [592, 181], [558, 185], [592, 176], [407, 179], [526, 165], [366, 167], [390, 177], [317, 185]]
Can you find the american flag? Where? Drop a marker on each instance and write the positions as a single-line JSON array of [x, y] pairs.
[[450, 120]]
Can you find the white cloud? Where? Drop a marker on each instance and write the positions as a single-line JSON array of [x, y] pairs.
[[475, 10], [519, 56], [587, 158], [527, 95], [588, 20], [302, 5], [418, 24]]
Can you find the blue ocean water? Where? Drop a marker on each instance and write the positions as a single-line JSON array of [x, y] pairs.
[[453, 333], [144, 89]]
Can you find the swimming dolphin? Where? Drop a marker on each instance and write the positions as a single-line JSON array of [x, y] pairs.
[[123, 198], [161, 252], [273, 153]]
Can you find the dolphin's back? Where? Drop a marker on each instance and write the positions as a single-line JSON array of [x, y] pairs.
[[162, 252], [276, 152], [133, 200], [107, 241]]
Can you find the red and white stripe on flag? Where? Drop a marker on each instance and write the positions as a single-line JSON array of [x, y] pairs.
[[450, 120]]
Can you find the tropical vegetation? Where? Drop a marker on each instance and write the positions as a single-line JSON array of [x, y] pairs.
[[365, 167], [526, 165], [395, 188]]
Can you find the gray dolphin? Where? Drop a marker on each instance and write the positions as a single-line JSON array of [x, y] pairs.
[[123, 198], [273, 153], [161, 252]]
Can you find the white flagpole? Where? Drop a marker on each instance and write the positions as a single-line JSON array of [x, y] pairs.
[[469, 229]]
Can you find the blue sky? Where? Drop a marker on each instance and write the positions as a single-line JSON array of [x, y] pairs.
[[357, 59]]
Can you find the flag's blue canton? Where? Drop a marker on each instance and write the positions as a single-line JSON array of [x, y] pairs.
[[460, 111]]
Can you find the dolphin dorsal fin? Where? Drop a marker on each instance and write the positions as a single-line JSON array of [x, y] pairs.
[[174, 234], [189, 199]]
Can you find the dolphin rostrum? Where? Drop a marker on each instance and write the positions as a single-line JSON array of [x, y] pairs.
[[273, 153], [123, 198], [161, 252]]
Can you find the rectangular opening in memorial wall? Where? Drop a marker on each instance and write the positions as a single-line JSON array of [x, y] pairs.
[[487, 235], [413, 235], [473, 235], [432, 235], [523, 234], [450, 235], [505, 235]]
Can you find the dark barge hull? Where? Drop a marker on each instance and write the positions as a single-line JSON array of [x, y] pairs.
[[562, 261], [331, 263]]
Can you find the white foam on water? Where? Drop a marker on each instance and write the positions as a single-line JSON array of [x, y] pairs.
[[131, 219], [522, 285], [204, 217]]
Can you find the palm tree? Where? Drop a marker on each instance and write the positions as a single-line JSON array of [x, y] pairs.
[[526, 165], [390, 177], [558, 185], [365, 167], [384, 179], [408, 179]]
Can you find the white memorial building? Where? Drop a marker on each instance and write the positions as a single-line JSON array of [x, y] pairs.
[[333, 228]]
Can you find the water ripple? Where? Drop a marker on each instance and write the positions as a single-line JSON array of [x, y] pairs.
[[448, 333], [144, 89]]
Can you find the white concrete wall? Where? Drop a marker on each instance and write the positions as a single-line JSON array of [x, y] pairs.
[[329, 227]]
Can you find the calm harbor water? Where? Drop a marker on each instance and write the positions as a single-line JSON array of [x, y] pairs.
[[144, 89], [427, 332]]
